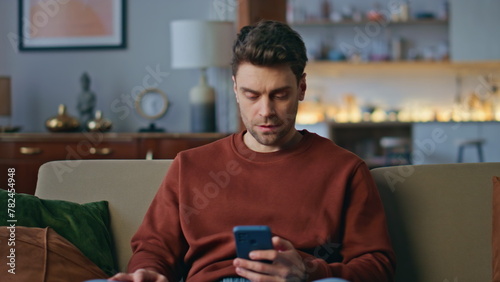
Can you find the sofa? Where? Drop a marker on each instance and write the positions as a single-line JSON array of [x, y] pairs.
[[439, 216], [440, 220], [128, 185]]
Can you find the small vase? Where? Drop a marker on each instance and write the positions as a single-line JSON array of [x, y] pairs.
[[99, 123], [62, 122]]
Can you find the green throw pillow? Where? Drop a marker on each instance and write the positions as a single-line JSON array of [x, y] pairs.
[[84, 225]]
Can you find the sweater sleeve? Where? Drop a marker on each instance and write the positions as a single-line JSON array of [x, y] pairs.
[[366, 250], [159, 243]]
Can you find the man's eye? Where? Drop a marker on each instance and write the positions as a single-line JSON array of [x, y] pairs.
[[281, 96], [251, 96]]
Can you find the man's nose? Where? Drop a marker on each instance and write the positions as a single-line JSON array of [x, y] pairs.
[[266, 107]]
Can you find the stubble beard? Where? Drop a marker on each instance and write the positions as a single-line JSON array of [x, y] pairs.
[[268, 138], [272, 138]]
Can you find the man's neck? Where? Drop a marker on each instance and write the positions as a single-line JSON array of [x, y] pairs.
[[254, 145]]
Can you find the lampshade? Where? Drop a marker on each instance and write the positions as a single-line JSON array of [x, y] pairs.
[[201, 44], [5, 103]]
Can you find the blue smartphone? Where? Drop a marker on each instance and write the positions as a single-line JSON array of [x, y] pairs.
[[251, 237]]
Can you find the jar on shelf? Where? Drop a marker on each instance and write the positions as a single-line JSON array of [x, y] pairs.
[[62, 122], [99, 123]]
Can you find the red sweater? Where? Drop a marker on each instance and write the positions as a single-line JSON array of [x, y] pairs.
[[317, 195]]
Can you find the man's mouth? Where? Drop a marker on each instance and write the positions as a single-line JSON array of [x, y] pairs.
[[268, 127]]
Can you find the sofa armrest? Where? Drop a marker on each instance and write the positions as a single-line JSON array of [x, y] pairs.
[[440, 219]]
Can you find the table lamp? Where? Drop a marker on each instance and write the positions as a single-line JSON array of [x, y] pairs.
[[201, 44]]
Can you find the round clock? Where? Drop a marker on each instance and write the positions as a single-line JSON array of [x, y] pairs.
[[152, 103]]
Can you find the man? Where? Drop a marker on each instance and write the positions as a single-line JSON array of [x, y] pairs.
[[318, 199]]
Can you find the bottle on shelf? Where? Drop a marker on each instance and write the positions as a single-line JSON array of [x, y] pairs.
[[400, 11], [396, 49], [496, 102], [404, 15], [357, 16], [444, 11], [326, 9]]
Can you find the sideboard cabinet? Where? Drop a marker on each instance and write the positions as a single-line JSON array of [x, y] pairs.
[[26, 152]]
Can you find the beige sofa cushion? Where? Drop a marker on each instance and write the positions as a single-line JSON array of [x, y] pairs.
[[128, 185], [439, 220]]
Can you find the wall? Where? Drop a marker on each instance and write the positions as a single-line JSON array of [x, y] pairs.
[[474, 35], [43, 80]]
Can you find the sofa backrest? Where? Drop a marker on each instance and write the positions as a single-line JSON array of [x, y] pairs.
[[439, 216], [128, 185], [440, 220]]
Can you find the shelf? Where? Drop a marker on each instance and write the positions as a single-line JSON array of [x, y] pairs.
[[385, 124], [318, 23], [332, 68]]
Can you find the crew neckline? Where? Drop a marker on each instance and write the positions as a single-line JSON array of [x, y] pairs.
[[243, 151]]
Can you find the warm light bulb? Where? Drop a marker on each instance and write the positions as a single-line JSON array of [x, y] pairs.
[[379, 115], [342, 116]]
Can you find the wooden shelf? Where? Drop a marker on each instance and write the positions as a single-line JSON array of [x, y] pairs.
[[332, 68], [325, 23], [385, 124]]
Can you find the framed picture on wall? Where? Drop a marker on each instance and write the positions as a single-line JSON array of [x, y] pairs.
[[72, 24]]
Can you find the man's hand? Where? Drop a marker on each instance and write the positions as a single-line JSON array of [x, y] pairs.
[[140, 275], [287, 265]]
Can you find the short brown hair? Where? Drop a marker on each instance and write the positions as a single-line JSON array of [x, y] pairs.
[[270, 43]]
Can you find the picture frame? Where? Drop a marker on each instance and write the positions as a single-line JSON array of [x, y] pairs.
[[72, 24]]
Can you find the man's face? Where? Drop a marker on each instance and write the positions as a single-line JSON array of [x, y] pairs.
[[268, 99]]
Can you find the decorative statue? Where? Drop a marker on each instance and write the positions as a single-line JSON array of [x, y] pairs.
[[86, 101]]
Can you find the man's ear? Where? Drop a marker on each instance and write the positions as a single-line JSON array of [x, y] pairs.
[[302, 87], [234, 89]]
